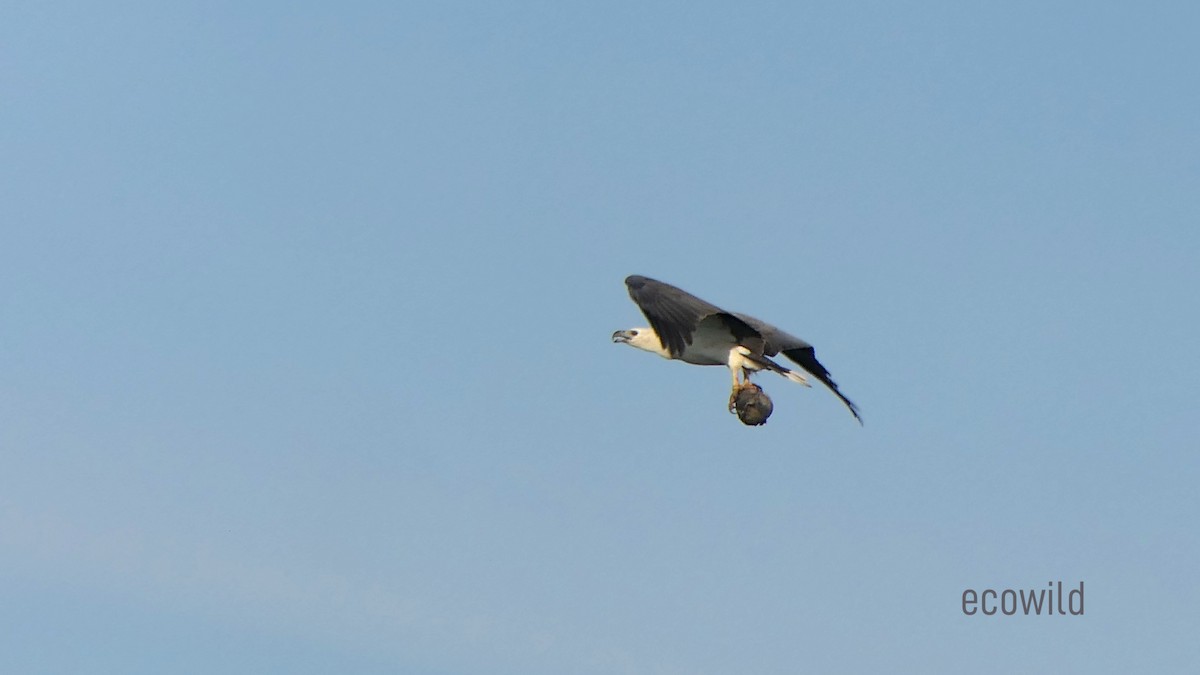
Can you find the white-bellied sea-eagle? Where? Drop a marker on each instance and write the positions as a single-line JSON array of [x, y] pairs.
[[691, 330]]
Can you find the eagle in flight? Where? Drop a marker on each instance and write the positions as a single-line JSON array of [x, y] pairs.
[[691, 330]]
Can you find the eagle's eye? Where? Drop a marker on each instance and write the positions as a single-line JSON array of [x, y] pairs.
[[633, 333]]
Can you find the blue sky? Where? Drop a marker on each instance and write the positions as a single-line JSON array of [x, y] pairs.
[[306, 315]]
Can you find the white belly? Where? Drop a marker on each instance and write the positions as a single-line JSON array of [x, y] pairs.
[[708, 349]]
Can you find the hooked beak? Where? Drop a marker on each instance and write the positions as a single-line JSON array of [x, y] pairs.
[[622, 336]]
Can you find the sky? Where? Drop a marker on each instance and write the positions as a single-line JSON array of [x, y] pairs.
[[305, 317]]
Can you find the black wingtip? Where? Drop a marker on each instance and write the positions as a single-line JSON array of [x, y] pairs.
[[854, 411], [807, 358], [849, 404]]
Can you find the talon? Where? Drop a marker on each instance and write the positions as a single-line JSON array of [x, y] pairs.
[[737, 389]]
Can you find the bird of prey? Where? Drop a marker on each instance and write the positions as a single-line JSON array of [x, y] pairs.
[[691, 330]]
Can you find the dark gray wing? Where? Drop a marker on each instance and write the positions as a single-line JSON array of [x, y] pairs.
[[674, 314], [799, 351]]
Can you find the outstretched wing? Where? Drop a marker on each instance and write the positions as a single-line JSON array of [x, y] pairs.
[[799, 351], [675, 314]]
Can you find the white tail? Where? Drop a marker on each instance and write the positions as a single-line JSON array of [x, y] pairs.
[[795, 377]]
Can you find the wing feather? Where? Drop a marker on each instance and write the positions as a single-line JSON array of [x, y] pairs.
[[675, 315]]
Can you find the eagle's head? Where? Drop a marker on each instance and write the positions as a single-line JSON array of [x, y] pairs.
[[642, 338]]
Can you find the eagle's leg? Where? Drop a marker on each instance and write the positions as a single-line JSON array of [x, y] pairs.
[[738, 386]]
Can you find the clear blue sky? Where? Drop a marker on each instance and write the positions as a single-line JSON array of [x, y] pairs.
[[305, 314]]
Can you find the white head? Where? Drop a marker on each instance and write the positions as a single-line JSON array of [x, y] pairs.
[[643, 338]]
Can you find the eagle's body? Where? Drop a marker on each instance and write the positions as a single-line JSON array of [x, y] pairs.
[[688, 329], [709, 347]]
